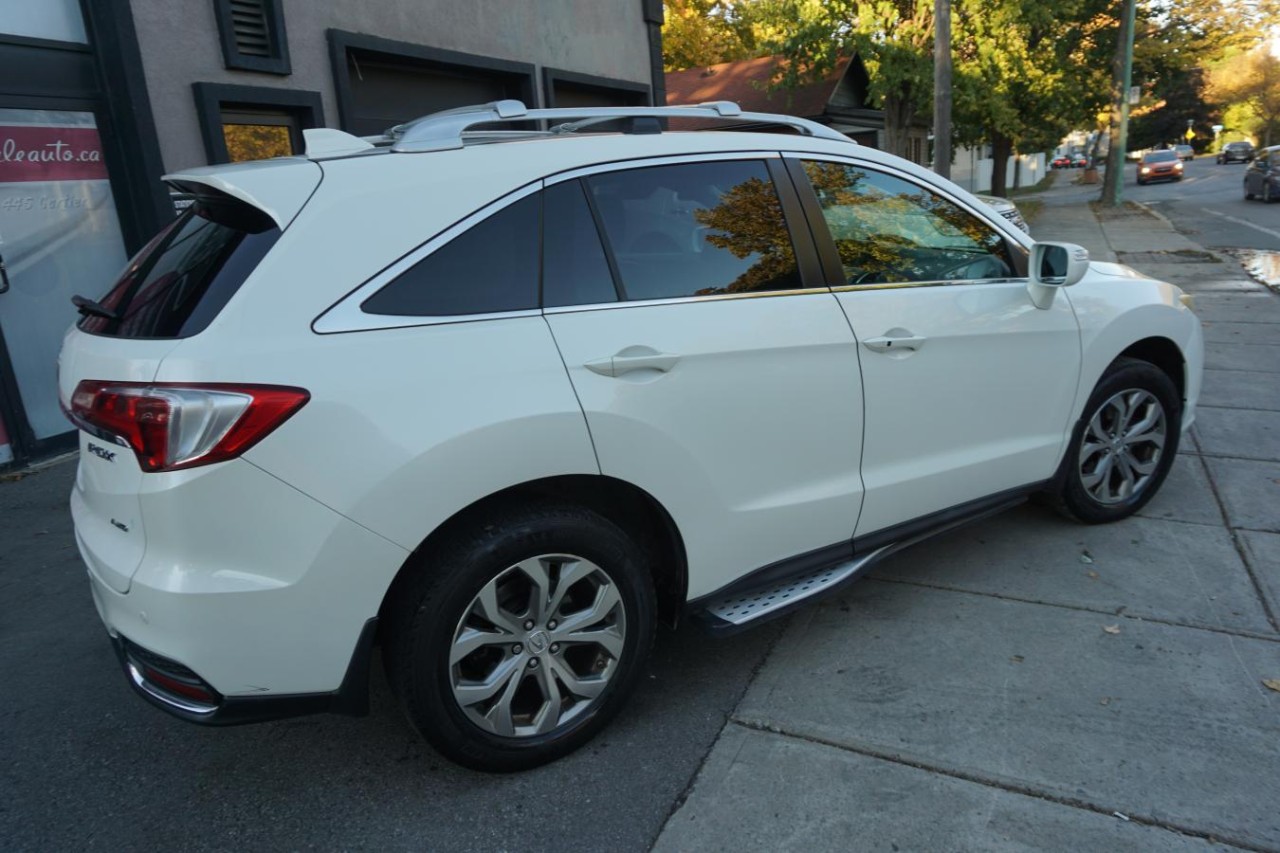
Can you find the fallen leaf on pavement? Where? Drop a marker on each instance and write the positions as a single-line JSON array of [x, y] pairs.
[[1272, 684], [1112, 629], [1020, 659], [1085, 557], [1105, 700], [1093, 576]]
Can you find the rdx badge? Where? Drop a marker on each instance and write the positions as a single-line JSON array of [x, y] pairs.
[[109, 455]]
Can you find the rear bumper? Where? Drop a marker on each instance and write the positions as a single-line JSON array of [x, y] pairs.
[[261, 591], [147, 673]]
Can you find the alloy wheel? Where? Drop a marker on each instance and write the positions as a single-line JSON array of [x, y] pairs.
[[537, 646], [1122, 447]]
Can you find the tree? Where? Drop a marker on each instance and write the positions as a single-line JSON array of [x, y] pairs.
[[1027, 73], [1251, 82], [894, 38], [699, 32]]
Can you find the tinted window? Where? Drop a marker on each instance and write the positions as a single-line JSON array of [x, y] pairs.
[[574, 268], [890, 230], [179, 282], [490, 267], [695, 229], [1160, 157]]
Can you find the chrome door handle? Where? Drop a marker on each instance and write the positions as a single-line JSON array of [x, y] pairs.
[[888, 344], [633, 358]]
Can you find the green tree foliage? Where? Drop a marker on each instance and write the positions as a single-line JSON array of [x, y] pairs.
[[698, 33], [1027, 72], [1250, 82], [1174, 44], [894, 38]]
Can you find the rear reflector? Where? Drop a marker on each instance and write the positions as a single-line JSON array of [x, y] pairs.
[[170, 426]]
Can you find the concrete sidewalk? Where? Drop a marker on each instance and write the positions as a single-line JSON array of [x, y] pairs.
[[1027, 683]]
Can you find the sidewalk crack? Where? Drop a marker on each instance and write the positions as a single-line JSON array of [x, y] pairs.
[[1010, 786]]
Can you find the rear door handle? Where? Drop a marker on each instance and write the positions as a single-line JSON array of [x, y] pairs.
[[891, 343], [633, 358]]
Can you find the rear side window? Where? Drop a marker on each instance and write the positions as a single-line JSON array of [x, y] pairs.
[[489, 268], [695, 229], [179, 282]]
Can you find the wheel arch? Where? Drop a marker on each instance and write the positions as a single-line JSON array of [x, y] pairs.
[[626, 505], [1165, 354]]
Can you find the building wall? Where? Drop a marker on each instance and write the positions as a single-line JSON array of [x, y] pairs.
[[180, 46]]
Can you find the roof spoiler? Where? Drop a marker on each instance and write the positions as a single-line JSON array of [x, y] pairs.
[[279, 188]]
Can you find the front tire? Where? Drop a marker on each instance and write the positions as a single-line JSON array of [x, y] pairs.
[[1123, 446], [519, 638]]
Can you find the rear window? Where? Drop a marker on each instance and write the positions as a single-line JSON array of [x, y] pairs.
[[179, 282]]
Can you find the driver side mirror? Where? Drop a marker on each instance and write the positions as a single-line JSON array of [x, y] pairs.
[[1055, 265]]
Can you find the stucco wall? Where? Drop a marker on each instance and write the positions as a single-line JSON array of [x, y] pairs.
[[180, 46]]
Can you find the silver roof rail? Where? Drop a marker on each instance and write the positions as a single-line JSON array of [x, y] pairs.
[[443, 131]]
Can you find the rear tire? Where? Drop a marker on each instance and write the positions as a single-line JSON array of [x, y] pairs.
[[518, 639], [1124, 445]]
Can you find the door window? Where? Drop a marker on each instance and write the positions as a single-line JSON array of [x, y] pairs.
[[888, 230], [695, 229]]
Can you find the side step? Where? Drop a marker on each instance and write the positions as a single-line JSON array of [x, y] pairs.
[[739, 609]]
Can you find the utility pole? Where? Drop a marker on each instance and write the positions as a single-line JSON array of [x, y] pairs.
[[942, 87], [1122, 68]]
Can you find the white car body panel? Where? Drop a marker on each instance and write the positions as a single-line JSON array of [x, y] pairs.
[[751, 441], [1117, 306], [221, 589], [981, 407], [408, 426]]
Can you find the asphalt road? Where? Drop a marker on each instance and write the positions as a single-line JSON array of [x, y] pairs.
[[86, 765], [1208, 205]]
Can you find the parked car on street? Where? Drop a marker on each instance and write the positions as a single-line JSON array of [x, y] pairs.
[[1079, 161], [1262, 178], [1185, 152], [1162, 165], [499, 402], [1235, 152], [1062, 161], [1005, 208]]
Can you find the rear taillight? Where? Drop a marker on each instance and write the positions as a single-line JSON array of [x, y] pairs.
[[172, 426]]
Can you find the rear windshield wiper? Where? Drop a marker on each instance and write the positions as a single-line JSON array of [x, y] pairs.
[[87, 306]]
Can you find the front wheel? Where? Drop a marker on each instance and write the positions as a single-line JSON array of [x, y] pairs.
[[519, 638], [1123, 446]]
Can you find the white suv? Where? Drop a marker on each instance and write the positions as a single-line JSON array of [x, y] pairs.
[[499, 401]]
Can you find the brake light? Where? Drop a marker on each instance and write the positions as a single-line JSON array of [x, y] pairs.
[[171, 426]]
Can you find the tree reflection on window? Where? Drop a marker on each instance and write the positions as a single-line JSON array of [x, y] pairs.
[[695, 229], [890, 230]]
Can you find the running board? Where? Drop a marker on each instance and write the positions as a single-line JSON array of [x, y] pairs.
[[738, 609]]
